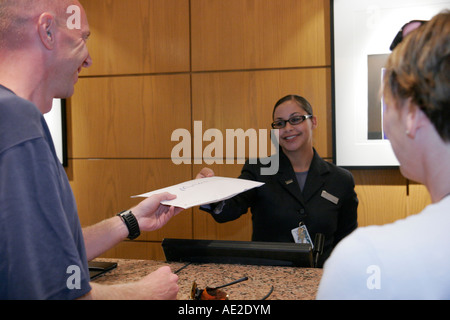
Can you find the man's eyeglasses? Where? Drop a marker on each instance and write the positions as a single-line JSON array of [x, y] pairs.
[[280, 124], [407, 28]]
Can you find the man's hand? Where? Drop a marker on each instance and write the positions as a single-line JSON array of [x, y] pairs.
[[160, 284], [152, 215]]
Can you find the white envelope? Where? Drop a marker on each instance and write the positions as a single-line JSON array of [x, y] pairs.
[[198, 192]]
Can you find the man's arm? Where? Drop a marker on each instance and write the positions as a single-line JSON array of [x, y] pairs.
[[149, 213], [103, 236]]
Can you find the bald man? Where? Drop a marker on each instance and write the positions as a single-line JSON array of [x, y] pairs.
[[43, 250]]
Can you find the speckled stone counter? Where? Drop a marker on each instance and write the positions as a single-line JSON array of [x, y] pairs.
[[288, 283]]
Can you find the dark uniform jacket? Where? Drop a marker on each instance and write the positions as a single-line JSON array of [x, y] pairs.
[[279, 205]]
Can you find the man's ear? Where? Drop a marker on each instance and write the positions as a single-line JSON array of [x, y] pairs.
[[414, 118], [47, 29]]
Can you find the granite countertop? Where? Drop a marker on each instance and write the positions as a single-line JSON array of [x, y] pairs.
[[289, 283]]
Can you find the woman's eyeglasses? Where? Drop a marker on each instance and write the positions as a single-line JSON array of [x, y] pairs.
[[407, 28], [295, 120]]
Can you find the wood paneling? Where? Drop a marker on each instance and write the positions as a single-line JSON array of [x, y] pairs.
[[138, 36], [136, 250], [232, 100], [159, 65], [418, 198], [248, 34], [128, 117], [382, 196], [102, 188]]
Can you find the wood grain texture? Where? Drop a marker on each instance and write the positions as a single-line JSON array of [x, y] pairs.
[[103, 188], [382, 196], [160, 65], [233, 100], [128, 117], [248, 34], [138, 36], [418, 198], [145, 250]]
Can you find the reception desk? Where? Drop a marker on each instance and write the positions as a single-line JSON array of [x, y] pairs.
[[289, 283]]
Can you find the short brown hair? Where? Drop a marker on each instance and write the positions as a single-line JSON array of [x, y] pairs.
[[419, 69]]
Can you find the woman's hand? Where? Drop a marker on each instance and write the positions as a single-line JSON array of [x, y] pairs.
[[205, 173]]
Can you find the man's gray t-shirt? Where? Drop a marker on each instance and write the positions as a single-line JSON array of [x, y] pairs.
[[42, 253]]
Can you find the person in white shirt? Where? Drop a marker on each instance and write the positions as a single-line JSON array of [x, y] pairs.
[[410, 258]]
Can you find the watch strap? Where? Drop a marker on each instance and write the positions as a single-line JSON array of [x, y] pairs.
[[131, 222]]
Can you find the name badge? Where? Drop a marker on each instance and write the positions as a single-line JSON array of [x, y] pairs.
[[330, 197], [301, 235]]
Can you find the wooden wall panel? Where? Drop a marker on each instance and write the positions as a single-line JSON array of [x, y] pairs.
[[128, 117], [102, 188], [418, 198], [248, 34], [382, 196], [136, 250], [138, 36], [158, 65], [232, 100]]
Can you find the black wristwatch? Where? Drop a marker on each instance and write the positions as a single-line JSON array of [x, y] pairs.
[[130, 221]]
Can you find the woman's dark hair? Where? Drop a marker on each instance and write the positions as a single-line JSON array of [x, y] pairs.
[[302, 102]]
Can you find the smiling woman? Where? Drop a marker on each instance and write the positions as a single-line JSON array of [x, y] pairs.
[[306, 193], [296, 133]]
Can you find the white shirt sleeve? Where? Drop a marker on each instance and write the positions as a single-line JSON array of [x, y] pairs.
[[353, 271]]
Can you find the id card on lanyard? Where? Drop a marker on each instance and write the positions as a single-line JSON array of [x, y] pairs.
[[301, 235]]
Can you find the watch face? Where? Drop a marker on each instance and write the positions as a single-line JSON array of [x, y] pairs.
[[125, 212]]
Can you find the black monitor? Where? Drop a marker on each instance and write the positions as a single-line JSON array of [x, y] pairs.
[[238, 252]]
